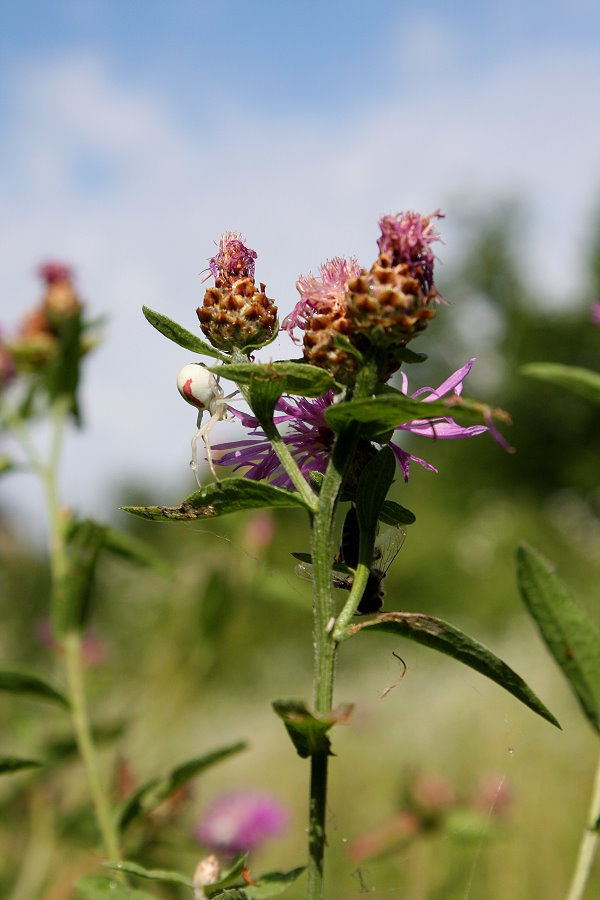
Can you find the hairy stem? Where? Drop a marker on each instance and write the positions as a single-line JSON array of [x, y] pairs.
[[83, 734], [72, 642], [589, 844], [324, 642]]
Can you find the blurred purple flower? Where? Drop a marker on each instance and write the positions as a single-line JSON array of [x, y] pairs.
[[596, 313], [93, 649], [310, 439], [319, 294], [51, 272], [241, 821]]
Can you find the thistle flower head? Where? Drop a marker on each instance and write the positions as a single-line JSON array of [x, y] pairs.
[[241, 821], [60, 299], [596, 313], [324, 293], [235, 313], [406, 239], [233, 261]]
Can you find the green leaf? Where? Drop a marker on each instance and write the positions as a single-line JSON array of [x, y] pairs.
[[442, 636], [271, 884], [10, 764], [6, 465], [61, 372], [344, 344], [409, 356], [231, 894], [61, 749], [24, 683], [259, 346], [288, 377], [569, 633], [218, 499], [308, 730], [229, 875], [377, 415], [153, 792], [135, 550], [99, 886], [179, 334], [394, 514], [164, 875], [583, 382], [373, 486], [70, 601]]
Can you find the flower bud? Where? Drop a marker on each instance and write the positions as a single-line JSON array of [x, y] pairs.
[[60, 299], [239, 316], [235, 315]]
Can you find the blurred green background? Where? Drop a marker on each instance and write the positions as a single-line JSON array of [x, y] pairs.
[[185, 663]]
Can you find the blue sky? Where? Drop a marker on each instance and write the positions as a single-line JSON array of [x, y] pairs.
[[133, 133]]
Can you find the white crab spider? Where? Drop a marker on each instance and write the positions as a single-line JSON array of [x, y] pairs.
[[200, 388]]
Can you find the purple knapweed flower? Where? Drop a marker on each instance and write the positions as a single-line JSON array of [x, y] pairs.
[[596, 313], [407, 238], [444, 428], [233, 261], [310, 438], [241, 821], [322, 293]]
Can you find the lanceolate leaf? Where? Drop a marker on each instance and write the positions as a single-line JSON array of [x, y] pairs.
[[218, 499], [289, 377], [394, 514], [584, 382], [31, 685], [165, 875], [9, 764], [569, 633], [70, 601], [439, 635], [136, 551], [272, 884], [373, 486], [153, 792], [100, 886], [308, 730], [379, 414], [180, 335]]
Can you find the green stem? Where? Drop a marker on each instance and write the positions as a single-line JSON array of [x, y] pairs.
[[325, 643], [279, 446], [589, 844], [72, 642], [359, 583], [81, 725]]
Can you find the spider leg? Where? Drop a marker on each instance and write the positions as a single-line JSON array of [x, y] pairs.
[[203, 433], [195, 439]]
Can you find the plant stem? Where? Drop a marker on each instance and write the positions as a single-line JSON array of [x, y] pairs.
[[279, 446], [589, 844], [81, 725], [72, 641], [325, 644]]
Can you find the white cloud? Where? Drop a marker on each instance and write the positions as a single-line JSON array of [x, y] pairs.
[[298, 189]]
